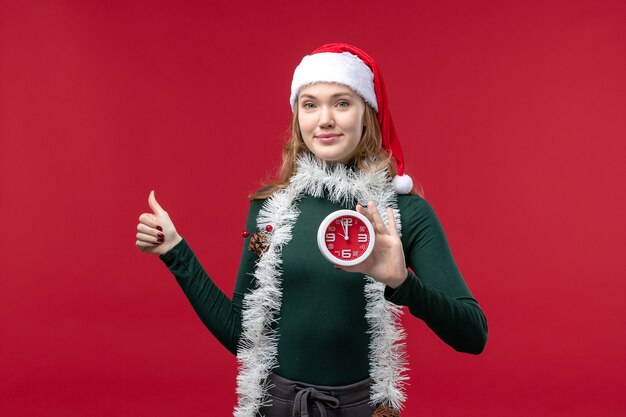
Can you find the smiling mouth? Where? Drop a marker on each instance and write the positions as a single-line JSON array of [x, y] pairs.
[[328, 137]]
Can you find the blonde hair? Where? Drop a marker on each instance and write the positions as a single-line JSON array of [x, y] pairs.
[[368, 155]]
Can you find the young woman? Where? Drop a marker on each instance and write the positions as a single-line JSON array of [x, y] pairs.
[[313, 338]]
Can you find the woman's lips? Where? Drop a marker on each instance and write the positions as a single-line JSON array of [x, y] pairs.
[[328, 137]]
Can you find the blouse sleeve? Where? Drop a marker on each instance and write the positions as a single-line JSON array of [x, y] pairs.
[[221, 315], [434, 290]]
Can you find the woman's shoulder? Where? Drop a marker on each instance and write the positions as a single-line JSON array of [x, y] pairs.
[[265, 192], [255, 200], [415, 211], [412, 203]]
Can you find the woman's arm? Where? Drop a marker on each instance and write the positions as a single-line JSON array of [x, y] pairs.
[[219, 314], [436, 291]]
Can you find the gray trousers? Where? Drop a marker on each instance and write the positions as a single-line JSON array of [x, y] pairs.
[[297, 399]]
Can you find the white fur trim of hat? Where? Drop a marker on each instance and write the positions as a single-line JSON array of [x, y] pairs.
[[344, 68]]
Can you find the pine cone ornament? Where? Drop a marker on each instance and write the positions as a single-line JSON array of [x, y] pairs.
[[384, 411], [259, 243]]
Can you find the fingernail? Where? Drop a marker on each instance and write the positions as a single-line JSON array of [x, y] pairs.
[[159, 228], [161, 235], [160, 240]]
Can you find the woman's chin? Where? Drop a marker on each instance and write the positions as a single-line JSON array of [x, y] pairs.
[[333, 158]]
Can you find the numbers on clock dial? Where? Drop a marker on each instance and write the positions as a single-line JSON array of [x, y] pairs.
[[347, 238]]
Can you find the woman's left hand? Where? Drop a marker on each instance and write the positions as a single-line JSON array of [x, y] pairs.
[[386, 262]]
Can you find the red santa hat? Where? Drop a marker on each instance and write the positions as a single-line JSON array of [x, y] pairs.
[[348, 65]]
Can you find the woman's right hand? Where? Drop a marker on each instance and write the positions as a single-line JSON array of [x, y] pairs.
[[156, 233]]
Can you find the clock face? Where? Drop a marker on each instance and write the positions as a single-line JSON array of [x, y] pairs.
[[346, 237]]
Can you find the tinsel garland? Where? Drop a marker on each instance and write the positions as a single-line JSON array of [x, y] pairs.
[[258, 344]]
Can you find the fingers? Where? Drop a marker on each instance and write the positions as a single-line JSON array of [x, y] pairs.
[[367, 212], [149, 220], [373, 215], [363, 211], [147, 230], [393, 229], [379, 224], [149, 238], [154, 205], [148, 233], [144, 246]]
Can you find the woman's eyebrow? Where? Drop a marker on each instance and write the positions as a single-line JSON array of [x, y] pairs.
[[346, 93]]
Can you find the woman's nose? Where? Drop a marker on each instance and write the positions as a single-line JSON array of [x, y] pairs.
[[326, 117]]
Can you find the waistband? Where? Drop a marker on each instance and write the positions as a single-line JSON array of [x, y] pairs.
[[303, 394]]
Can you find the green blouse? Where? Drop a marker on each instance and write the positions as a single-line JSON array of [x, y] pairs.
[[322, 328]]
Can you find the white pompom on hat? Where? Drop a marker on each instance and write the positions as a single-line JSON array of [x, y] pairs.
[[348, 65]]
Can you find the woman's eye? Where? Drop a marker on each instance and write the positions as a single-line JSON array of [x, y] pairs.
[[308, 106], [343, 104]]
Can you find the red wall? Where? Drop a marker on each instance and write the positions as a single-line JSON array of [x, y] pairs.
[[512, 115]]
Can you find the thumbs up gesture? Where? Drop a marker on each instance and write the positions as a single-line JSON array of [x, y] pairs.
[[156, 233]]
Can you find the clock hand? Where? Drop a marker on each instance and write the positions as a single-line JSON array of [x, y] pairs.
[[344, 224]]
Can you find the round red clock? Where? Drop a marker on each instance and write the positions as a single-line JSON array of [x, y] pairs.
[[346, 237]]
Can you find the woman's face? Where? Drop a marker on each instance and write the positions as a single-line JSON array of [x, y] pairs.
[[330, 117]]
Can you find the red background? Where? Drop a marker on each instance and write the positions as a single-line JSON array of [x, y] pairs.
[[512, 115]]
